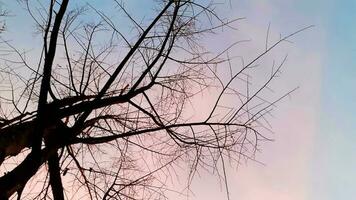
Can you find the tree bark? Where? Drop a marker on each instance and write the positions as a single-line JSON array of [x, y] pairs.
[[55, 177]]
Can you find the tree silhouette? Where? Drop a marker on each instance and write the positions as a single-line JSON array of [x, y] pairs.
[[109, 112]]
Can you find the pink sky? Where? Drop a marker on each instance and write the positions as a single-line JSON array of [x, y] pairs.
[[286, 173]]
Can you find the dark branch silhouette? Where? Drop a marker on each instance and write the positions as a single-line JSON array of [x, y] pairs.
[[105, 111]]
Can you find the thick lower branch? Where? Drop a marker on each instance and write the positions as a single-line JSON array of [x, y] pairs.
[[18, 177], [15, 138], [55, 177]]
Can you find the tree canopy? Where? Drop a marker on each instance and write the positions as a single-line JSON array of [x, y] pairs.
[[111, 105]]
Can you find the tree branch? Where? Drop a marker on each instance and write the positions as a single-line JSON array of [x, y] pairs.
[[55, 177]]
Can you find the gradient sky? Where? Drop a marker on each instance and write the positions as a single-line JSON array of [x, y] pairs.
[[315, 148], [313, 156]]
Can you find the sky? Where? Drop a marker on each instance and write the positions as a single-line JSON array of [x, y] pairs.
[[313, 155]]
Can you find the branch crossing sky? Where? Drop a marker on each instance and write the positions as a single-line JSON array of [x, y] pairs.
[[314, 153]]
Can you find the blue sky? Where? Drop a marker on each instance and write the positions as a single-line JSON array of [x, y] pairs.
[[337, 117], [326, 99], [333, 157]]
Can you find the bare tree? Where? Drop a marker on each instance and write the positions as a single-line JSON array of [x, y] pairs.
[[109, 112]]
